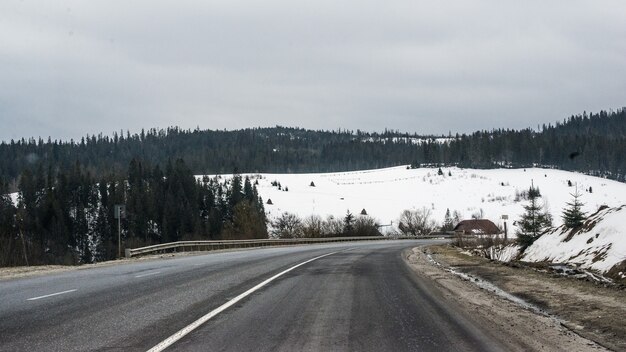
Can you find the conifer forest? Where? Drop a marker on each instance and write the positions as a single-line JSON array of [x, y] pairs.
[[67, 190]]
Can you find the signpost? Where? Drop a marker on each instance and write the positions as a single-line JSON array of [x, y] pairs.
[[119, 212], [505, 218]]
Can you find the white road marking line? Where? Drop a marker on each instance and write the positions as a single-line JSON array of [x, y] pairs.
[[191, 327], [148, 274], [50, 295]]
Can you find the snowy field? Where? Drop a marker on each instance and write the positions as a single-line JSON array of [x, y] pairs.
[[385, 193]]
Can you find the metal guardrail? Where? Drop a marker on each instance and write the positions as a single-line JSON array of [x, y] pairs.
[[213, 245]]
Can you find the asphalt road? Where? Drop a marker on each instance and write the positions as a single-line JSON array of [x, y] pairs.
[[362, 297]]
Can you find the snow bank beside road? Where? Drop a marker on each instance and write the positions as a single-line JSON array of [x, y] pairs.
[[599, 245]]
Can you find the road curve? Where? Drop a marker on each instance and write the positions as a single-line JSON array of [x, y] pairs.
[[361, 298]]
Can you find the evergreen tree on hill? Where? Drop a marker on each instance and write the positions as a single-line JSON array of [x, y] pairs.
[[8, 239], [573, 216], [448, 222], [535, 221], [348, 224]]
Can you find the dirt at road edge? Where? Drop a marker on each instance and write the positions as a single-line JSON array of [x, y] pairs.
[[521, 329]]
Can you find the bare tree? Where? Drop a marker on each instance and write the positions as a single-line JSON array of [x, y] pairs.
[[333, 226], [365, 225], [416, 222], [287, 225], [313, 226]]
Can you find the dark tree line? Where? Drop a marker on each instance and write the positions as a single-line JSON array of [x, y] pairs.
[[66, 216], [590, 143], [67, 190]]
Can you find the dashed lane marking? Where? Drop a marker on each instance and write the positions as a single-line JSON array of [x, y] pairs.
[[50, 295], [148, 274]]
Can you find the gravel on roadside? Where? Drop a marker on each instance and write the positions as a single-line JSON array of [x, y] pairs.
[[588, 309]]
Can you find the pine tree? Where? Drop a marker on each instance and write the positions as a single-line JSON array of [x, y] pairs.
[[248, 223], [535, 221], [573, 216], [236, 191], [248, 191], [348, 223], [8, 228], [448, 222], [456, 217]]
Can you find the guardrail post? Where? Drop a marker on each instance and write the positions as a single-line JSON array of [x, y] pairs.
[[127, 252]]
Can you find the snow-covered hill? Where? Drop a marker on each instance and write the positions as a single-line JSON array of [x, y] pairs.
[[385, 193], [599, 245]]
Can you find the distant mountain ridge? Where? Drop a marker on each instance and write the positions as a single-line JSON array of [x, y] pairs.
[[589, 143]]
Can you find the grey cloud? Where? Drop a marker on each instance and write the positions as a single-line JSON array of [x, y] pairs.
[[68, 68]]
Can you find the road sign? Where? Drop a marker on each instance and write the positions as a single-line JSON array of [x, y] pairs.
[[120, 211], [506, 235]]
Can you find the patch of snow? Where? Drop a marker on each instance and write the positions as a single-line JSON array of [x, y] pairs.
[[505, 254], [419, 141], [409, 140], [14, 197], [488, 286], [468, 253]]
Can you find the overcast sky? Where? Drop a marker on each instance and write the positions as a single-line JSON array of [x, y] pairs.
[[69, 68]]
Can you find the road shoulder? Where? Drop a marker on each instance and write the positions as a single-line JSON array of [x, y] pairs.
[[19, 272], [519, 328]]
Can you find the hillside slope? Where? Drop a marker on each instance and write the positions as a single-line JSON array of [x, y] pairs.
[[599, 245], [385, 193]]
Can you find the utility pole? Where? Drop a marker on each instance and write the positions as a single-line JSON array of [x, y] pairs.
[[119, 213], [119, 237], [19, 227]]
